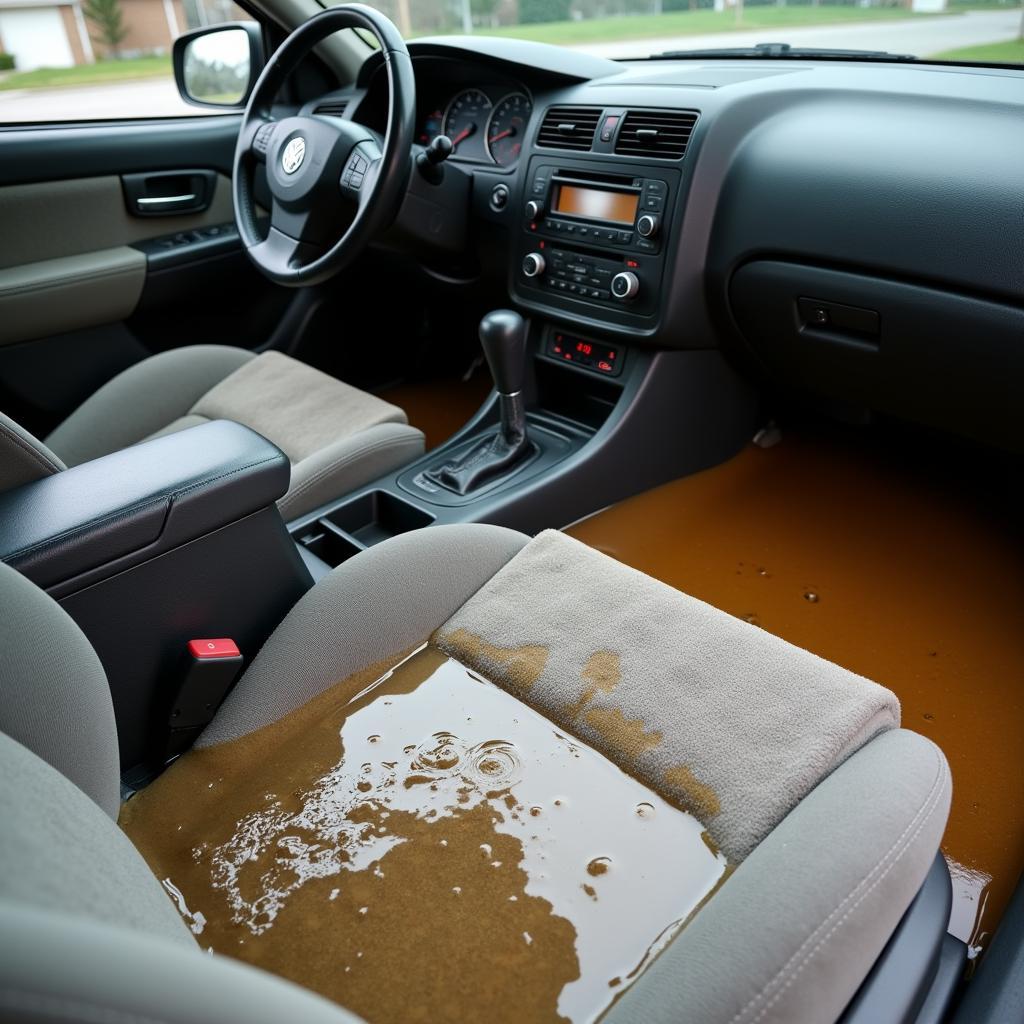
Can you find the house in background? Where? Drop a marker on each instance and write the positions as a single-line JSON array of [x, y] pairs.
[[56, 33]]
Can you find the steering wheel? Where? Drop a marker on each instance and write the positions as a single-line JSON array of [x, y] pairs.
[[323, 173]]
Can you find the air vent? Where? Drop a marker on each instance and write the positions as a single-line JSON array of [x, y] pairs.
[[664, 133], [335, 108], [569, 127]]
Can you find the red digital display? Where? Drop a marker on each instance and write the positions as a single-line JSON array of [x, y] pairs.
[[591, 354]]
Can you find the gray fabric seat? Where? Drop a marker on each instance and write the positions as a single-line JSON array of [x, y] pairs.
[[336, 436], [87, 932]]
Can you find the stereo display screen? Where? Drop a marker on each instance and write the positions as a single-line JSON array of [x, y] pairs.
[[597, 204]]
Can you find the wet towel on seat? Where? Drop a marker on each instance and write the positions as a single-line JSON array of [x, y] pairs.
[[717, 715]]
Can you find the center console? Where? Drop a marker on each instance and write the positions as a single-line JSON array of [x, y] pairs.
[[592, 239]]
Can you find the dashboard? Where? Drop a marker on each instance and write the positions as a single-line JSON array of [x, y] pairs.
[[846, 228]]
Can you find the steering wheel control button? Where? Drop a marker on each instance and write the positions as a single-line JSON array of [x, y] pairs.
[[533, 264], [261, 140], [625, 285], [355, 171], [293, 155]]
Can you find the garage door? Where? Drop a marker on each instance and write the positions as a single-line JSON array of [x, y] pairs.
[[36, 37]]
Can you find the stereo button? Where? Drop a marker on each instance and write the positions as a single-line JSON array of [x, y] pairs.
[[533, 264], [625, 285]]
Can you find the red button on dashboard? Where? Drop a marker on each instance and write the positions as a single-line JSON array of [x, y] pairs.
[[222, 648]]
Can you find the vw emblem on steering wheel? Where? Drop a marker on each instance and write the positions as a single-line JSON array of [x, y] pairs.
[[293, 155]]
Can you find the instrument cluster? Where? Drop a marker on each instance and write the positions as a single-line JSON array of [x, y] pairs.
[[485, 124]]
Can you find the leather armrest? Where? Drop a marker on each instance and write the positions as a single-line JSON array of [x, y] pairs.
[[105, 515]]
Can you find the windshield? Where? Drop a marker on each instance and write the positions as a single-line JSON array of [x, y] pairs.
[[968, 31]]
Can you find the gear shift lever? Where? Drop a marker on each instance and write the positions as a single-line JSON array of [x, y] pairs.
[[503, 337]]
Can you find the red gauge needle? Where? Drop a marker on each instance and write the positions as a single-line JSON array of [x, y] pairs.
[[502, 135], [464, 134]]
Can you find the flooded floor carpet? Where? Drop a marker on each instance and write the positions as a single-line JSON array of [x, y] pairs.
[[909, 575], [442, 406]]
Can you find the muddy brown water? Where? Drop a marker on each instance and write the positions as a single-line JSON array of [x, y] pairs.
[[908, 576], [426, 848]]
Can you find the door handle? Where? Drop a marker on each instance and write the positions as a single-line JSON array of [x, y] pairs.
[[168, 193], [149, 202]]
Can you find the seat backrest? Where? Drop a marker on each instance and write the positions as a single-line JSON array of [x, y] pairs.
[[87, 932], [23, 458], [54, 697]]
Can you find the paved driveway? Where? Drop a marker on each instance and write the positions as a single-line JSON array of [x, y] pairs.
[[147, 97]]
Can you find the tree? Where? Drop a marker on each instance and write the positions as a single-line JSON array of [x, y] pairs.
[[108, 18]]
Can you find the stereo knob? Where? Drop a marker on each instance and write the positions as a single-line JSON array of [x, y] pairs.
[[647, 225], [533, 264], [625, 285], [534, 210]]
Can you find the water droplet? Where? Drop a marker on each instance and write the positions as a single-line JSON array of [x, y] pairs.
[[558, 803], [764, 572], [590, 891], [929, 716], [645, 811], [334, 894], [363, 910], [811, 596], [373, 739], [364, 787], [535, 812], [457, 889], [599, 866], [528, 938]]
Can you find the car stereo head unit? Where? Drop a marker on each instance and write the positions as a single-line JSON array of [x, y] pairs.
[[605, 210]]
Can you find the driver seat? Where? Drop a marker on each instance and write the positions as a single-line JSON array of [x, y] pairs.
[[336, 437]]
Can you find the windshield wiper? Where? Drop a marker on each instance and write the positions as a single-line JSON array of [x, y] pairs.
[[783, 51]]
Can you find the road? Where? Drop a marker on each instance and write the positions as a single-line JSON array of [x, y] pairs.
[[920, 36], [158, 97]]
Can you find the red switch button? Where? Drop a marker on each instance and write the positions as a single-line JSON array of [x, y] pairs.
[[222, 648]]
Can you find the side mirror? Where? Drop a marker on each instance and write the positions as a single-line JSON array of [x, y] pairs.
[[217, 66]]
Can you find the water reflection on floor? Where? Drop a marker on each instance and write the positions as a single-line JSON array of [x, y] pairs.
[[461, 858]]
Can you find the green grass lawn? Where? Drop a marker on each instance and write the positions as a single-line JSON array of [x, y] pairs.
[[682, 23], [994, 53], [89, 74]]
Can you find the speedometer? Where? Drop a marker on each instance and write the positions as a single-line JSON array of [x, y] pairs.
[[506, 128], [465, 121]]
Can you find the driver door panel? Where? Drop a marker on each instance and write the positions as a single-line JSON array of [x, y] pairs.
[[92, 281]]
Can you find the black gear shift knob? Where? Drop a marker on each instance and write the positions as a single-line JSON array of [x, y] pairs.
[[503, 337]]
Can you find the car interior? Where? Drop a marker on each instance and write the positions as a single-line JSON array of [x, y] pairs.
[[493, 532]]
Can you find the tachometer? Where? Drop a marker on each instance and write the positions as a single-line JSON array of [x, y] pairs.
[[506, 128], [465, 121]]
